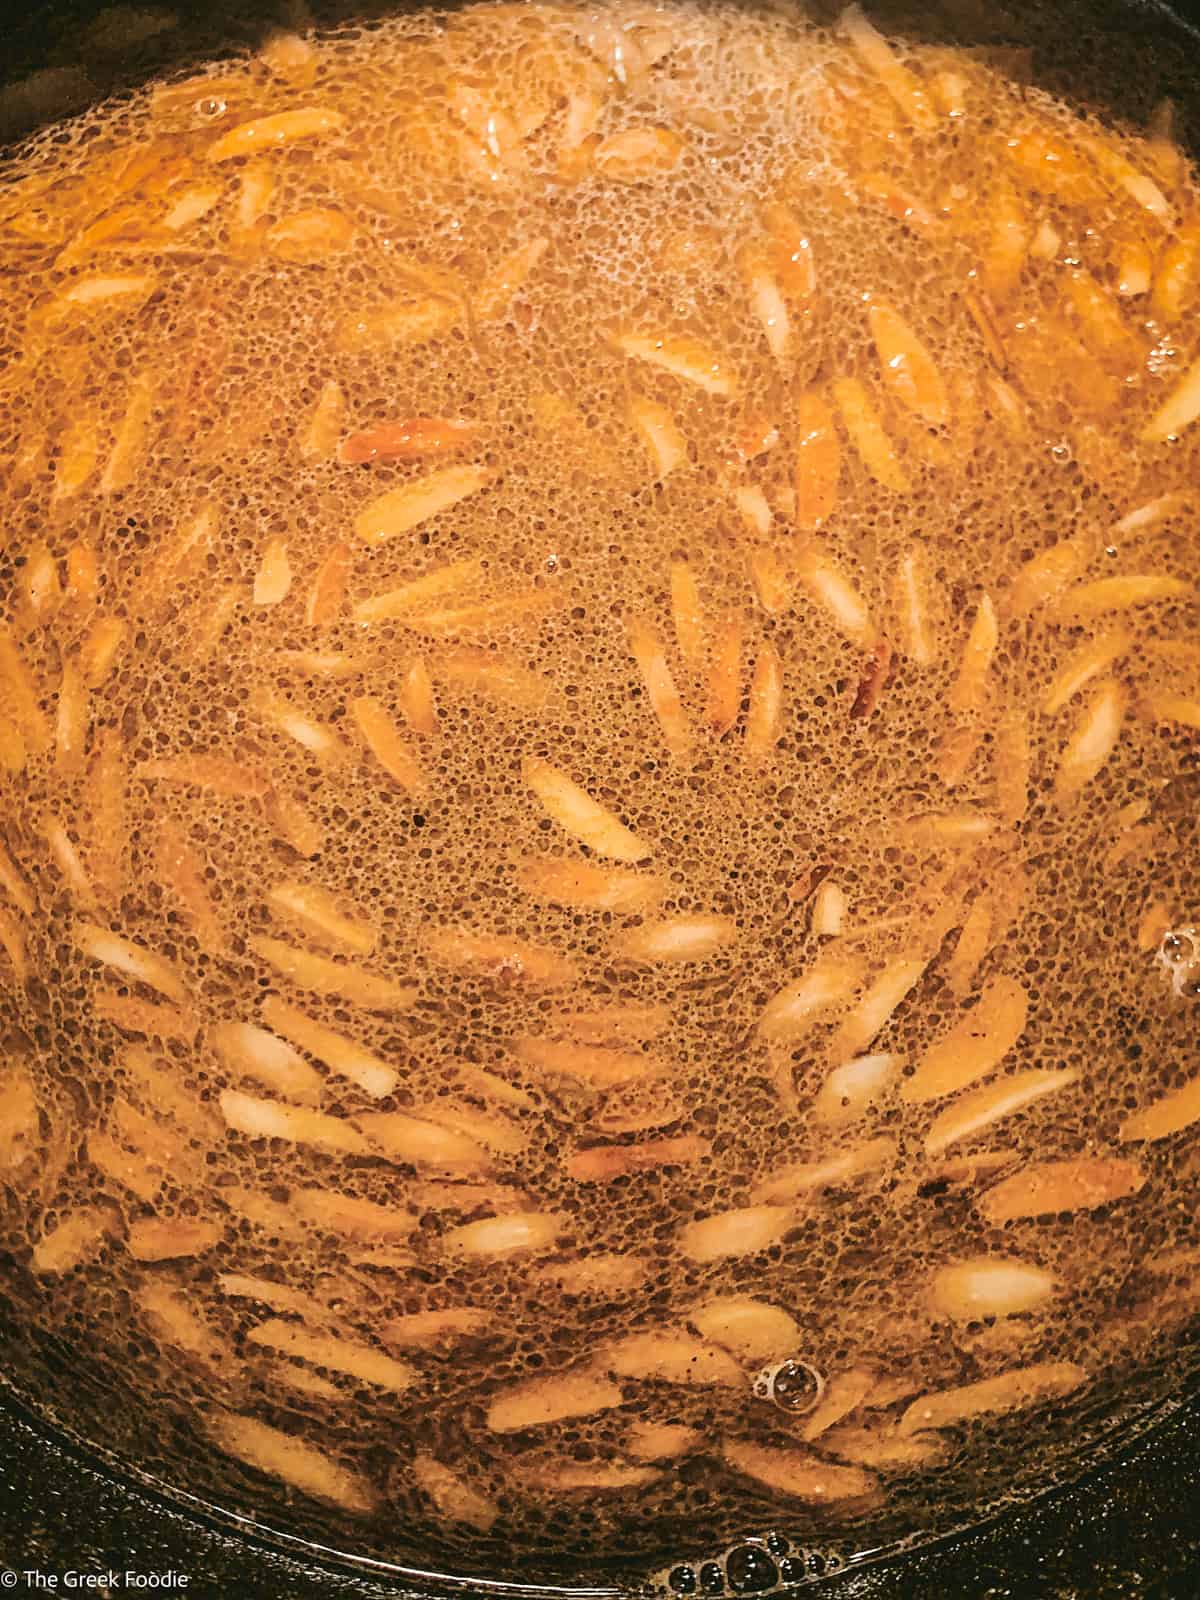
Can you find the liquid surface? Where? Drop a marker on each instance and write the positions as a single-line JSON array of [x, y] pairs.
[[598, 699]]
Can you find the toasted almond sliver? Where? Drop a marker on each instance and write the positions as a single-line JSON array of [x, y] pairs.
[[970, 686], [1011, 1391], [829, 588], [494, 297], [274, 132], [763, 722], [876, 1007], [753, 1330], [798, 1473], [409, 320], [794, 1009], [439, 1330], [605, 1276], [773, 579], [555, 1398], [359, 1361], [500, 957], [806, 1177], [828, 910], [182, 871], [319, 913], [279, 1296], [410, 440], [651, 660], [878, 56], [601, 1163], [332, 1049], [76, 1240], [1173, 1112], [956, 750], [670, 1357], [505, 1236], [13, 754], [134, 960], [1013, 766], [495, 678], [383, 739], [683, 357], [214, 774], [660, 433], [615, 1024], [273, 579], [635, 154], [416, 698], [211, 621], [564, 881], [1093, 739], [40, 584], [272, 1119], [83, 575], [818, 464], [595, 1065], [884, 1450], [107, 787], [1073, 1185], [852, 1087], [71, 723], [661, 1441], [174, 1322], [907, 367], [403, 509], [309, 236], [128, 447], [725, 675], [1104, 595], [584, 818], [868, 436], [914, 628], [1176, 708], [257, 1054], [953, 828], [165, 1239], [135, 1015], [451, 580], [743, 1232], [674, 939], [430, 1144], [766, 299], [1157, 919], [990, 1286], [452, 1496], [19, 695], [974, 1046], [347, 1215], [281, 1455], [120, 1166], [688, 614], [582, 1477], [844, 1393], [103, 290], [290, 720], [317, 438], [324, 976], [970, 947]]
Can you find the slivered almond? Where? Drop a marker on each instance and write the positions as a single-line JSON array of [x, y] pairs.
[[411, 319], [828, 910], [1093, 739], [211, 621], [1008, 242], [134, 960], [651, 661], [40, 584], [1104, 595], [166, 1239], [178, 557], [411, 440], [487, 618], [725, 675], [324, 976], [494, 297], [429, 1144], [275, 132], [564, 881], [453, 579], [669, 1357], [742, 1232], [868, 435], [267, 1292], [492, 1128], [974, 1046], [350, 1215], [596, 1065], [126, 1170], [806, 1177], [1078, 1184], [132, 432], [990, 1286], [580, 1477], [957, 829], [273, 579], [1157, 919], [19, 695], [799, 1474], [71, 723], [272, 1119], [913, 623], [956, 750], [403, 509], [452, 1496], [661, 1441], [318, 436], [773, 580], [107, 788], [876, 1007], [878, 56], [173, 1321], [1101, 325], [213, 774], [135, 1015], [439, 1330], [292, 721], [1171, 1114], [83, 575], [907, 367], [320, 914], [182, 871], [766, 298], [682, 357], [831, 980], [309, 236], [844, 1393], [818, 463], [884, 1450], [753, 1330], [356, 1360], [687, 614], [252, 1052], [579, 815], [1164, 707], [554, 1398], [606, 1276], [602, 1163], [672, 939], [281, 1455], [502, 1237], [791, 254], [416, 698], [615, 1024], [1013, 766], [1011, 1391], [971, 946], [497, 679], [763, 721], [340, 1054], [970, 687], [75, 1241], [382, 738], [500, 957], [12, 747], [635, 154], [827, 586], [851, 1088], [659, 433]]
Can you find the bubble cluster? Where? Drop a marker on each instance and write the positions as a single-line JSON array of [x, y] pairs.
[[114, 1109]]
